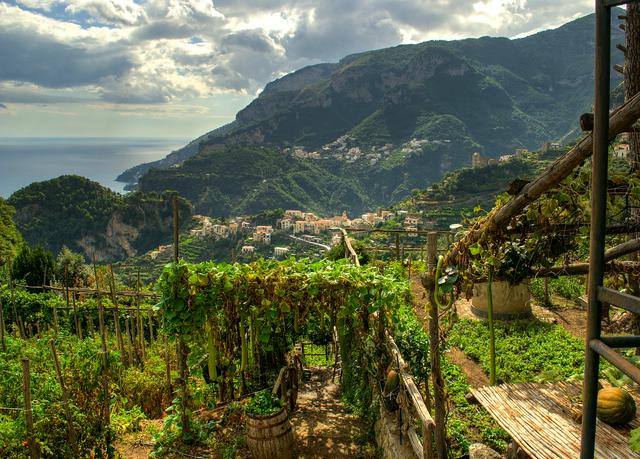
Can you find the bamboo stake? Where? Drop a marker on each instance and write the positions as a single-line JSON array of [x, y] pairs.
[[140, 324], [167, 351], [65, 398], [105, 364], [34, 448], [150, 316], [75, 315], [492, 336], [116, 316], [13, 304], [429, 284]]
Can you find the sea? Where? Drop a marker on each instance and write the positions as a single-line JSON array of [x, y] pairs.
[[27, 160]]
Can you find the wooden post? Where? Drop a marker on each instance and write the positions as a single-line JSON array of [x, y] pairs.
[[167, 358], [75, 315], [150, 315], [492, 335], [105, 362], [90, 323], [429, 282], [116, 316], [56, 327], [176, 229], [65, 398], [183, 349], [397, 246], [547, 301], [140, 321], [128, 332], [34, 448], [66, 287], [13, 304]]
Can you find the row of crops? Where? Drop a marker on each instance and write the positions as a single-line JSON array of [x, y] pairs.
[[123, 359]]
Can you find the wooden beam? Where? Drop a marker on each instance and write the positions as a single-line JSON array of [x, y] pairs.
[[619, 121]]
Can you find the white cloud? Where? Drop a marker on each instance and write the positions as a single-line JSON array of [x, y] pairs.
[[163, 51], [124, 12]]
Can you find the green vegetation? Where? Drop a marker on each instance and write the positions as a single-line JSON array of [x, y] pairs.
[[34, 266], [10, 238], [96, 220], [525, 350], [263, 404], [250, 180], [131, 395], [569, 288]]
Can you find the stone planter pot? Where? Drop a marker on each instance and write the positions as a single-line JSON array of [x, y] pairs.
[[509, 301]]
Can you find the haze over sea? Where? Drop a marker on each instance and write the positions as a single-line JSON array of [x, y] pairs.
[[27, 160]]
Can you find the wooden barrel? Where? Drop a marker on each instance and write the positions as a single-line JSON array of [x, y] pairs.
[[270, 437]]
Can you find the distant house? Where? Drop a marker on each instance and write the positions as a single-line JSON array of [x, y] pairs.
[[371, 218], [280, 251], [285, 223], [248, 249], [477, 160], [412, 221], [292, 214], [263, 234]]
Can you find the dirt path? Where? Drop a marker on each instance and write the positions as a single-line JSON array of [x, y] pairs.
[[322, 426], [475, 375]]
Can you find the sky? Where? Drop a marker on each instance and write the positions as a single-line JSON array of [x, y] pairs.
[[180, 68]]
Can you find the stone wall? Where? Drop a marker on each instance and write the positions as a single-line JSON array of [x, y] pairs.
[[388, 437]]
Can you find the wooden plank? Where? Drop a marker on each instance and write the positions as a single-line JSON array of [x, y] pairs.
[[537, 417], [407, 380], [415, 441]]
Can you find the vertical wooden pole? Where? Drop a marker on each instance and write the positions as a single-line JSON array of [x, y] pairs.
[[65, 398], [66, 292], [140, 321], [128, 332], [105, 363], [167, 352], [397, 246], [18, 319], [176, 229], [34, 449], [434, 350], [183, 349], [150, 316], [90, 323], [116, 315], [547, 301], [492, 335], [75, 315]]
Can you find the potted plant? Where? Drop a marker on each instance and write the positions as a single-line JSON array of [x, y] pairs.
[[269, 432], [509, 268]]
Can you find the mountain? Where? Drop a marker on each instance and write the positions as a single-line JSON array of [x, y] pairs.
[[87, 217], [367, 130]]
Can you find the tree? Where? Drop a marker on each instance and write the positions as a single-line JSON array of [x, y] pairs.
[[34, 266], [70, 268], [10, 238]]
